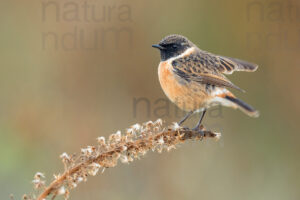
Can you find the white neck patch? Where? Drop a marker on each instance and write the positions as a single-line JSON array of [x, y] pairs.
[[185, 53]]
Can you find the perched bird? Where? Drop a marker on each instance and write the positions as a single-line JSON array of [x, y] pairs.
[[193, 79]]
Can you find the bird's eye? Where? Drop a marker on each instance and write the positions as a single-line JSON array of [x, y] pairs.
[[174, 46]]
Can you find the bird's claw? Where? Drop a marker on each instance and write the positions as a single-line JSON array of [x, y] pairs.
[[199, 130]]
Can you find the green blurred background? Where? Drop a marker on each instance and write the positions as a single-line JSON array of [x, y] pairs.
[[59, 91]]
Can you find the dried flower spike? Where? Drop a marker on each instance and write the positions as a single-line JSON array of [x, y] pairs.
[[137, 141]]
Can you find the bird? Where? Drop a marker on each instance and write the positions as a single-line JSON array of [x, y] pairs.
[[194, 79]]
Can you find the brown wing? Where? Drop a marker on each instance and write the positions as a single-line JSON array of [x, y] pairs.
[[229, 65], [203, 68], [221, 64]]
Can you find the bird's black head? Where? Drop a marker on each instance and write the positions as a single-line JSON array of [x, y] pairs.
[[172, 45]]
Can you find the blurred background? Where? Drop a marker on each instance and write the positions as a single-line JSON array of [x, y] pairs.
[[75, 70]]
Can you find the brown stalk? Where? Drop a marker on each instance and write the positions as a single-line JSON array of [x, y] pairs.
[[151, 137]]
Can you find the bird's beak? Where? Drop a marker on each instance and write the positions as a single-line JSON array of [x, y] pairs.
[[158, 46]]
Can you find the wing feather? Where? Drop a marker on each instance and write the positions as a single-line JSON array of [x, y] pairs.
[[238, 65], [204, 68]]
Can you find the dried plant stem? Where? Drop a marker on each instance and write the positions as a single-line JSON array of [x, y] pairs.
[[152, 137]]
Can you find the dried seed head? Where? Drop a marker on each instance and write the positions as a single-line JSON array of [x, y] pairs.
[[124, 159], [93, 169], [129, 131], [158, 122], [118, 136], [56, 176], [101, 140], [218, 136], [137, 141], [156, 129], [149, 124], [39, 175], [136, 127], [115, 138], [73, 185], [61, 191], [88, 151], [37, 181], [175, 126], [161, 140], [65, 157], [79, 179]]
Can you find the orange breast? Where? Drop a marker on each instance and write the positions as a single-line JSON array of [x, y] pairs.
[[186, 95]]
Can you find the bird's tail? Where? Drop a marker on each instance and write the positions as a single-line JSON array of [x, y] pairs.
[[249, 110]]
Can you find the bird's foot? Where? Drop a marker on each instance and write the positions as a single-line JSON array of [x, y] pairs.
[[199, 129]]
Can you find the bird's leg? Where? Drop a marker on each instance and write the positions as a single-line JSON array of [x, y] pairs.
[[197, 127], [185, 117]]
